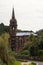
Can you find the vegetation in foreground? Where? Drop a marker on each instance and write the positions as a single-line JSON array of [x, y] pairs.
[[17, 63], [6, 55]]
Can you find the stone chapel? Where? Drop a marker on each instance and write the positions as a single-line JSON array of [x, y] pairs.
[[17, 39]]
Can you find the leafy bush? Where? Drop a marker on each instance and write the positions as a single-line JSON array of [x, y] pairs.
[[40, 52], [25, 52], [6, 55]]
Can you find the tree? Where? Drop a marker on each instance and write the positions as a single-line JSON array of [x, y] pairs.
[[1, 28], [33, 51], [40, 44], [5, 52]]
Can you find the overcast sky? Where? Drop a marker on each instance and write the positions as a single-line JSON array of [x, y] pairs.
[[28, 13]]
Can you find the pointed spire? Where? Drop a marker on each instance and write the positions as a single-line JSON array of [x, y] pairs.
[[13, 16]]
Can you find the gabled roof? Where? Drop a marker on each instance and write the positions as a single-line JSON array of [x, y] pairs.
[[25, 33]]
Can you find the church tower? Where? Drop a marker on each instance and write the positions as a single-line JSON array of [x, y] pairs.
[[13, 30]]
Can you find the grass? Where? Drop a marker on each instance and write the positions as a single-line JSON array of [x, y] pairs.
[[17, 63]]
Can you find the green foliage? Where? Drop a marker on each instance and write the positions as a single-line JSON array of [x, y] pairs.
[[17, 63], [6, 55], [1, 62], [40, 32], [3, 28], [25, 52], [34, 46], [40, 44], [33, 51], [40, 52]]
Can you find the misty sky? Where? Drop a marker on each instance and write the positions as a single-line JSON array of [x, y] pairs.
[[28, 13]]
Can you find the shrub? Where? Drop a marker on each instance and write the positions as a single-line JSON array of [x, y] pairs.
[[40, 52]]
